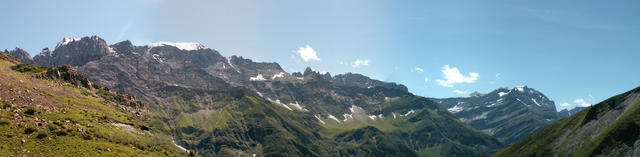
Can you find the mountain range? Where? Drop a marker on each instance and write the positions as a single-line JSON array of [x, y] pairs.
[[216, 105], [211, 105]]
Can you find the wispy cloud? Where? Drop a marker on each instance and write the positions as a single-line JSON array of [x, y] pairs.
[[426, 79], [124, 31], [360, 62], [308, 54], [453, 76], [459, 91], [418, 69], [565, 104]]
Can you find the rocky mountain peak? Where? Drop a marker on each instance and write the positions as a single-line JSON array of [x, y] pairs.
[[75, 51], [21, 55]]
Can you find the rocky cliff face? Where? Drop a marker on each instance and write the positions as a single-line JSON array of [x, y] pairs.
[[75, 52], [506, 113]]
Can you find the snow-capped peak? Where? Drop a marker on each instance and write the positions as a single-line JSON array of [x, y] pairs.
[[66, 41], [188, 46], [520, 88]]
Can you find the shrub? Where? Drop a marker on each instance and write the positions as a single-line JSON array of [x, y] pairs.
[[29, 130], [42, 134], [30, 110]]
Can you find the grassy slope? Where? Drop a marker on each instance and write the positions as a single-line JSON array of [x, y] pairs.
[[624, 130], [51, 118]]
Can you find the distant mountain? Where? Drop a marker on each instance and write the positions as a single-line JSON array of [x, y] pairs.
[[506, 113], [566, 113], [609, 128], [224, 106]]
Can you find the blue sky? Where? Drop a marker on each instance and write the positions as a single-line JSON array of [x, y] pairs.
[[575, 52]]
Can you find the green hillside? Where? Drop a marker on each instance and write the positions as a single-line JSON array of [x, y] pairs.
[[53, 111]]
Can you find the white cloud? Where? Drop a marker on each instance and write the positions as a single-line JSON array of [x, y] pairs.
[[459, 91], [418, 69], [453, 76], [581, 102], [360, 62], [498, 76], [426, 79], [584, 102], [564, 104], [307, 53]]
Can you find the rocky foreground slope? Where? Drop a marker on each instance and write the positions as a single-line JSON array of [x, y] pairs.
[[54, 111]]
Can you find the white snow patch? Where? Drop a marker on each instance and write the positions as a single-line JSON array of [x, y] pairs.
[[66, 41], [157, 58], [285, 106], [260, 94], [410, 112], [534, 100], [281, 74], [174, 143], [372, 117], [347, 116], [257, 78], [394, 115], [455, 109], [180, 45], [519, 88], [482, 116], [298, 106], [503, 93], [319, 119], [380, 116], [111, 50], [334, 118]]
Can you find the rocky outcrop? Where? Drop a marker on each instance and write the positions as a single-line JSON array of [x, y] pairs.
[[75, 52], [21, 55]]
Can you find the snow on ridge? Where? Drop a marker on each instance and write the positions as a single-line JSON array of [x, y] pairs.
[[319, 119], [189, 46], [503, 93], [257, 78], [66, 41], [334, 118], [281, 74], [455, 109], [520, 88]]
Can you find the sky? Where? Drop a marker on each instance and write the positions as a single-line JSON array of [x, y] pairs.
[[575, 52]]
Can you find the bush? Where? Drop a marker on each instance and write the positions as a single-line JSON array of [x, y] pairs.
[[30, 110], [42, 134], [29, 130]]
